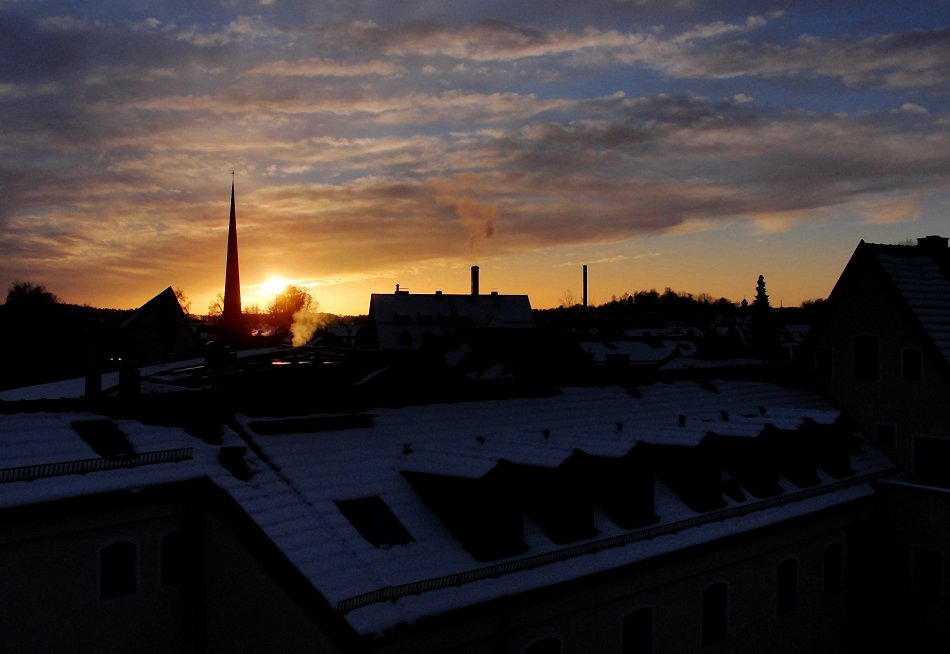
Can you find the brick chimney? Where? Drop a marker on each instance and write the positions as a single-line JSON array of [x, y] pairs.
[[474, 280], [585, 284]]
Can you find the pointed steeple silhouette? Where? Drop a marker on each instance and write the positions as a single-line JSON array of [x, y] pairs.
[[231, 317]]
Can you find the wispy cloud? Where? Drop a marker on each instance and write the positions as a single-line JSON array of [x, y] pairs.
[[365, 142]]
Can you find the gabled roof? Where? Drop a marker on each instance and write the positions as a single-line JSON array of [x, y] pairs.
[[914, 278], [159, 329]]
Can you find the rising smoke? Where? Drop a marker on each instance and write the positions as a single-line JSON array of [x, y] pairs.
[[305, 322], [477, 219]]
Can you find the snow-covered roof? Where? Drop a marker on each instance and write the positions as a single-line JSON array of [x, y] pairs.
[[638, 351], [311, 463], [38, 450], [468, 441], [402, 319], [926, 289]]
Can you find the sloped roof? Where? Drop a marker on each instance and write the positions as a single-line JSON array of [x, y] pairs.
[[159, 328], [915, 279], [469, 440], [925, 288], [300, 478]]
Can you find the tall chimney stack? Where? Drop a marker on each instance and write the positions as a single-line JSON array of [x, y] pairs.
[[474, 280], [585, 284]]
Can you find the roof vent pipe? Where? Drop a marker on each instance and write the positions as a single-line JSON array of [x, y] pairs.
[[474, 280], [585, 284]]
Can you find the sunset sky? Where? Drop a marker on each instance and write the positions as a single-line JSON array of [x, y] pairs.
[[691, 144]]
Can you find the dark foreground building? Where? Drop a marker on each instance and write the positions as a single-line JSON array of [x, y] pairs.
[[714, 513]]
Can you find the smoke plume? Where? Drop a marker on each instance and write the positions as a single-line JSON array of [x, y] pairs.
[[305, 322], [477, 219]]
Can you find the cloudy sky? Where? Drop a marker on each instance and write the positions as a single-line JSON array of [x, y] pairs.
[[692, 144]]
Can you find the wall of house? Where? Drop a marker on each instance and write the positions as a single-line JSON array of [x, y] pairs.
[[247, 609], [911, 408], [920, 545], [588, 617], [50, 575]]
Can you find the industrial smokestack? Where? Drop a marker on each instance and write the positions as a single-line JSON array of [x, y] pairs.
[[474, 280], [585, 284]]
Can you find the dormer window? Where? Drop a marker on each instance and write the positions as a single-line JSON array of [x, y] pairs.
[[374, 521]]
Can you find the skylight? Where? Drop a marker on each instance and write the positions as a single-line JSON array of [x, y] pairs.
[[374, 521]]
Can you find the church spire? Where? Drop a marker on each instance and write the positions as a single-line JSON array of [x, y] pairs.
[[231, 315]]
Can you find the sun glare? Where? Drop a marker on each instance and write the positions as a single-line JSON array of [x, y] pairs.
[[273, 286]]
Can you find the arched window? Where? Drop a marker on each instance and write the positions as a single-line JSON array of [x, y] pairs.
[[118, 570], [928, 574], [544, 646], [834, 569], [715, 613], [638, 632], [824, 361], [911, 364], [178, 557], [866, 358], [786, 597]]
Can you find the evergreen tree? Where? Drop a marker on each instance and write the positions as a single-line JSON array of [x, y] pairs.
[[765, 341], [761, 297]]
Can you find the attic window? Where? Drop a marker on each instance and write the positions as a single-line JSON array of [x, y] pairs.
[[104, 437], [866, 358], [911, 364], [928, 574], [374, 521]]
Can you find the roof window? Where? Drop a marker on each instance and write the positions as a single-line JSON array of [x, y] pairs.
[[374, 521], [104, 437]]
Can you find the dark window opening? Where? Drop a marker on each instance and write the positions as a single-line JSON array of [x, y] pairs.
[[374, 521], [928, 574], [786, 598], [834, 569], [824, 361], [885, 435], [178, 557], [715, 613], [104, 437], [638, 632], [118, 570], [544, 646], [932, 460], [866, 358], [911, 365]]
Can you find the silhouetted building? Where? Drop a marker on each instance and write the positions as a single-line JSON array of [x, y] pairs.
[[725, 514], [159, 330], [881, 352], [404, 321]]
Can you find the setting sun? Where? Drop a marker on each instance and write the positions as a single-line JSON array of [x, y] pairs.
[[273, 286]]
